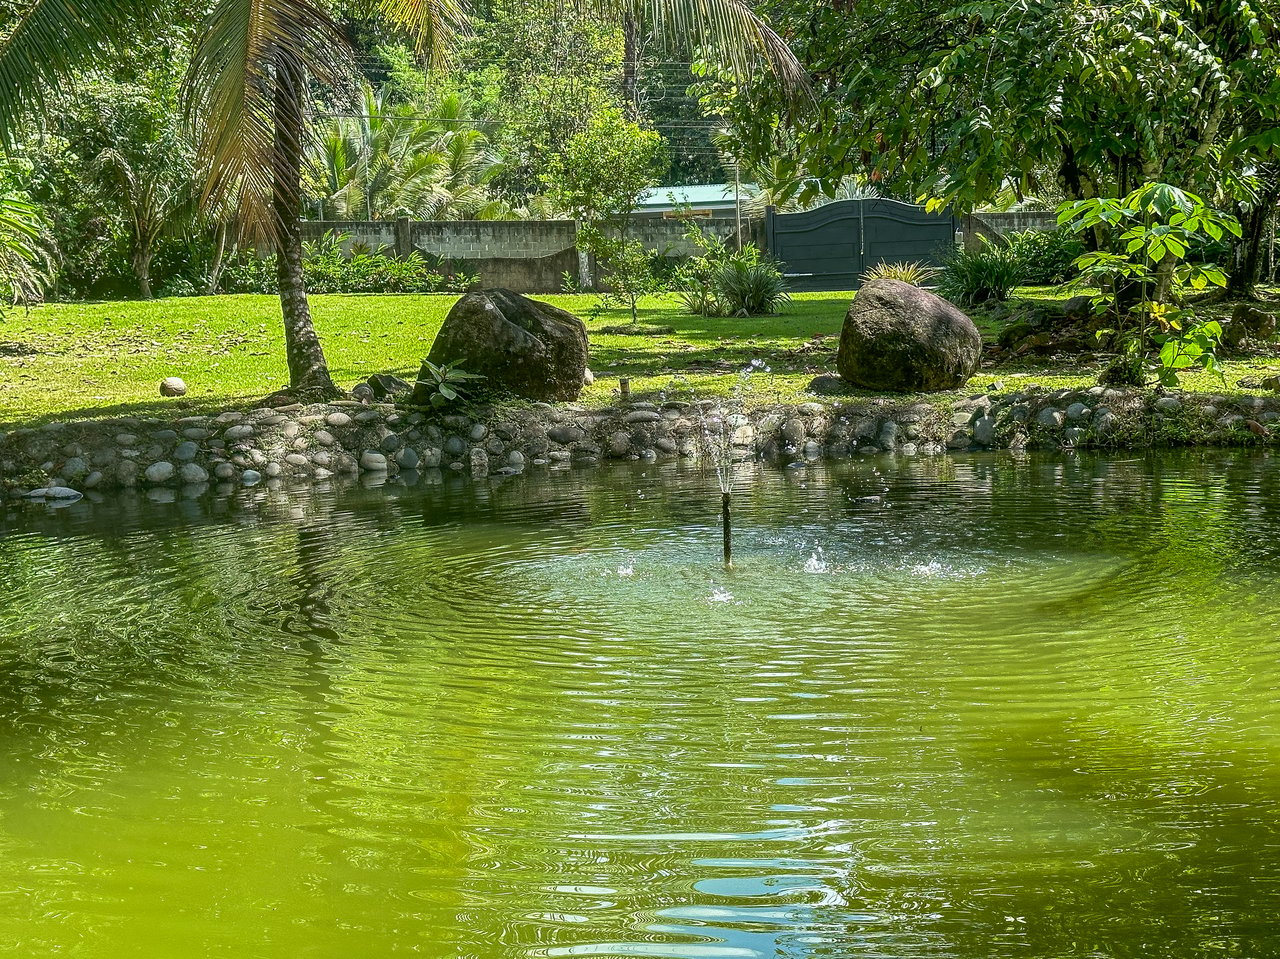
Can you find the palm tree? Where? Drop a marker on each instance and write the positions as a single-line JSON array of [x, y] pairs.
[[152, 204], [405, 159], [247, 91]]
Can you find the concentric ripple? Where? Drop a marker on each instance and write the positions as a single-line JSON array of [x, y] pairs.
[[976, 708]]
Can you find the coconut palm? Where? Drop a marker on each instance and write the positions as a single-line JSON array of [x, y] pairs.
[[403, 159], [247, 90]]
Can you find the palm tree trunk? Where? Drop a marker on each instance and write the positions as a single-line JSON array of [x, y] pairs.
[[631, 67], [219, 254], [142, 268], [307, 367]]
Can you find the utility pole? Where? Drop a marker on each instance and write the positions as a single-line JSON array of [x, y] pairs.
[[737, 202]]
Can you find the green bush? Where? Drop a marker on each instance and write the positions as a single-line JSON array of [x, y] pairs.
[[248, 273], [749, 286], [326, 269], [971, 277], [440, 386], [725, 282], [1046, 257]]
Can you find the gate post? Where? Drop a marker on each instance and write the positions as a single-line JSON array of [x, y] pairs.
[[404, 242]]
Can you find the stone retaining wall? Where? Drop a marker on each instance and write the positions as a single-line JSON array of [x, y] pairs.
[[317, 442]]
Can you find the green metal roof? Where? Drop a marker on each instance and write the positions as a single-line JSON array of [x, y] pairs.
[[718, 195]]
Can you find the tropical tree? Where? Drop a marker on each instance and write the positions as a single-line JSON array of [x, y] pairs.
[[605, 169], [959, 101], [405, 159], [151, 206], [248, 88]]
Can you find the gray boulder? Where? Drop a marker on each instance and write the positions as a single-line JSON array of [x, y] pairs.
[[384, 385], [899, 338], [519, 345]]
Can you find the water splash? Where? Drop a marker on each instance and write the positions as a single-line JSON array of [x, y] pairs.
[[627, 570], [720, 595], [816, 562]]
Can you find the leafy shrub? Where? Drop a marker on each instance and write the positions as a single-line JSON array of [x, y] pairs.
[[970, 277], [247, 272], [749, 286], [327, 269], [629, 269], [725, 282], [914, 272], [1046, 257], [24, 258], [1155, 226], [441, 386], [178, 286]]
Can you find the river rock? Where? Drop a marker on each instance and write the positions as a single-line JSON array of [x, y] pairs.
[[172, 386], [1049, 417], [373, 461], [160, 472], [899, 338], [519, 345], [984, 430], [565, 433], [56, 493], [75, 467]]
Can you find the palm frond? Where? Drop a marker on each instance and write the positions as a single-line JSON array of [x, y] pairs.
[[729, 27], [246, 51], [26, 264], [433, 25]]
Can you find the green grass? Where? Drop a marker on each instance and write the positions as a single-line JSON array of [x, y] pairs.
[[107, 359]]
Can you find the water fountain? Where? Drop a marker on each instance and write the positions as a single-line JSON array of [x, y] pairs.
[[720, 422]]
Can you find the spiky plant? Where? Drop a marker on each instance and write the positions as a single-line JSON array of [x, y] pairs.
[[914, 272]]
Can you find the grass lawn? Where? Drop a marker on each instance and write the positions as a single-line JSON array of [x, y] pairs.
[[107, 359]]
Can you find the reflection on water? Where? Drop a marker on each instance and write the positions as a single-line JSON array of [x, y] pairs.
[[1008, 709]]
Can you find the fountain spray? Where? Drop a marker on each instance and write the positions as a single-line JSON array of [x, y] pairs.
[[717, 436]]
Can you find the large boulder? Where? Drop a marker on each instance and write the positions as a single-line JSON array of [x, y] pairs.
[[519, 345], [900, 338], [1248, 324]]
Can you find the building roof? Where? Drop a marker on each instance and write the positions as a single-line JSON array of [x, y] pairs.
[[703, 196]]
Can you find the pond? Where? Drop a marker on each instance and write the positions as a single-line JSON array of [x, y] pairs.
[[976, 707]]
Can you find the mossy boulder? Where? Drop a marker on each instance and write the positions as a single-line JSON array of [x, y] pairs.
[[520, 346], [900, 338]]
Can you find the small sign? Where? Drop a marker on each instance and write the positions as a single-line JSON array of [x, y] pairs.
[[685, 214]]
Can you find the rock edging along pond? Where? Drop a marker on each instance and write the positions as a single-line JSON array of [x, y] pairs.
[[348, 437]]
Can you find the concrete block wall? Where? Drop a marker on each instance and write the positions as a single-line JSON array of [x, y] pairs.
[[528, 256], [992, 226]]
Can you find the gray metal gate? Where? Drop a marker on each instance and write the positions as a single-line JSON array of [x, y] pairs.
[[830, 247]]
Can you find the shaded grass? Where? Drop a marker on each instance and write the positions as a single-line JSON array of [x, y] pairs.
[[97, 360]]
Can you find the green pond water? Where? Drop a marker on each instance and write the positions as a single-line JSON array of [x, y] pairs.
[[1012, 708]]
